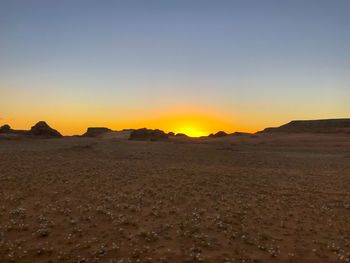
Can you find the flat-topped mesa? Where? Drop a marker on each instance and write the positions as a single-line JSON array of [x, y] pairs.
[[148, 135], [43, 129], [313, 126], [96, 131]]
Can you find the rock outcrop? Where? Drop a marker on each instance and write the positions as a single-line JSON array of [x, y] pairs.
[[218, 134], [312, 126], [96, 131], [5, 129], [148, 134], [43, 129]]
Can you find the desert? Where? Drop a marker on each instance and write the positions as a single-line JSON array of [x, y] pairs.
[[265, 197], [176, 131]]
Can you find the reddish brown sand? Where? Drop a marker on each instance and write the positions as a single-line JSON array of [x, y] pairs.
[[263, 198]]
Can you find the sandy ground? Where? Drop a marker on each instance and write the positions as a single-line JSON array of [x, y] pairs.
[[263, 198]]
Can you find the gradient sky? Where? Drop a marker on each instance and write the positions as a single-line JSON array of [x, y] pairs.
[[175, 65]]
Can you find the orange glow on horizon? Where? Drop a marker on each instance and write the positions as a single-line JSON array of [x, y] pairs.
[[191, 131], [190, 122], [182, 119]]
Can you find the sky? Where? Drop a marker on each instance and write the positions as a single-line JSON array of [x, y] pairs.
[[184, 66]]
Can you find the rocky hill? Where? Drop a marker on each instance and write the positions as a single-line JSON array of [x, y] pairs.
[[43, 129]]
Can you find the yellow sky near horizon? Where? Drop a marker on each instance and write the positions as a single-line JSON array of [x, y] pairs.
[[73, 114], [192, 124], [182, 119], [192, 120]]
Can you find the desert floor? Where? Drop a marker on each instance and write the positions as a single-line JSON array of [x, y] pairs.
[[261, 198]]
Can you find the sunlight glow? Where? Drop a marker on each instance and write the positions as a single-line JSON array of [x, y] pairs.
[[192, 131]]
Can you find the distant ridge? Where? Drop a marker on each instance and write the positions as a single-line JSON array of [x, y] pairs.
[[42, 129], [313, 126]]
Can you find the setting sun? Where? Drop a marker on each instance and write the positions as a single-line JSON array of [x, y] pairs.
[[192, 131], [192, 120]]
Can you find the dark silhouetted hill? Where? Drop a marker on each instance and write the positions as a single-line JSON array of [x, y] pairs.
[[218, 134], [6, 129], [96, 131], [313, 126], [148, 134], [43, 129]]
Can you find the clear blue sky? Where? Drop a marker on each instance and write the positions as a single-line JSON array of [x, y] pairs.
[[255, 63]]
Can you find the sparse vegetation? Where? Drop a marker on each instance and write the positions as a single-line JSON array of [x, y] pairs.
[[126, 201]]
